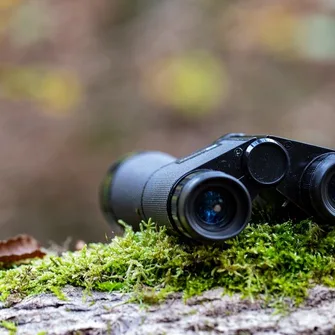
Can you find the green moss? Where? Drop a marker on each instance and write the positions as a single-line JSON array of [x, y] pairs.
[[277, 261], [58, 293], [9, 326]]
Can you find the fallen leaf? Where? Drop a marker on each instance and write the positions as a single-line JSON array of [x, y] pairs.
[[19, 248]]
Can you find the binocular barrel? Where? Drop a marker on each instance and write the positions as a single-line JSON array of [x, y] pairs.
[[203, 205], [123, 186], [208, 195]]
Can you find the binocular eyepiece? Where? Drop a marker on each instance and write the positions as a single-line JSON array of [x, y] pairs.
[[208, 195]]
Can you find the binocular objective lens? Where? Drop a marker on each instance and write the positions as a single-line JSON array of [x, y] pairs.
[[331, 190], [215, 208], [318, 187]]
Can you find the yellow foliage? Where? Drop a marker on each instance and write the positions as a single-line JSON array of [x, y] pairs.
[[6, 8], [58, 91], [276, 28], [279, 29], [271, 27], [193, 84], [8, 4]]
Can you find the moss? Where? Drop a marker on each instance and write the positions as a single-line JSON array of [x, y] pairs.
[[277, 261], [9, 326], [58, 293]]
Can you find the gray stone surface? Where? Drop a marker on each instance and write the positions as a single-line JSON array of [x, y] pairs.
[[210, 313]]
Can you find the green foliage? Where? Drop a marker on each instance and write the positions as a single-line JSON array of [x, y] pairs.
[[275, 261]]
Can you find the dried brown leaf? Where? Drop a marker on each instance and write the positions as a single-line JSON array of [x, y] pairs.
[[21, 247]]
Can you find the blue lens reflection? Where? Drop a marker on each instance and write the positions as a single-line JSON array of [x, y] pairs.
[[214, 207]]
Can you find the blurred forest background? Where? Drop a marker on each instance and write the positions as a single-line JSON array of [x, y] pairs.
[[82, 82]]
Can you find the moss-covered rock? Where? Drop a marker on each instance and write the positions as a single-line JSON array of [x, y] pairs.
[[272, 260]]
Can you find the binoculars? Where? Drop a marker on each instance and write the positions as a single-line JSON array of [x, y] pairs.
[[208, 196]]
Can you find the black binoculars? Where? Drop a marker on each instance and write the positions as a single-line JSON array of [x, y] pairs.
[[208, 195]]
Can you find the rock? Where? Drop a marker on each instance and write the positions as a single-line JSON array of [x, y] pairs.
[[210, 313]]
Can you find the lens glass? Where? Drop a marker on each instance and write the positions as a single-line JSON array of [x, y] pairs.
[[215, 208], [331, 190]]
